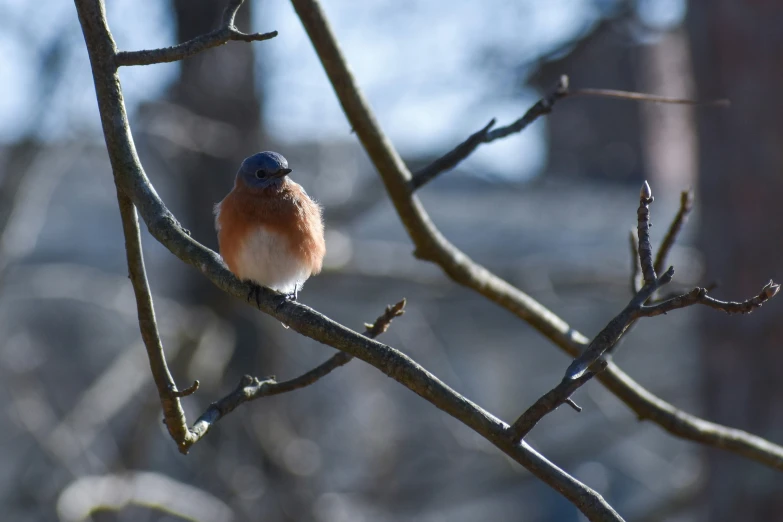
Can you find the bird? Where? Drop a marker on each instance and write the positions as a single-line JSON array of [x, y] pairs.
[[270, 232]]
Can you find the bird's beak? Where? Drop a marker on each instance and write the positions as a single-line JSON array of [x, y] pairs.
[[281, 173]]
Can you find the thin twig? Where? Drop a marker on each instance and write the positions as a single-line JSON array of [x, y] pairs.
[[640, 96], [608, 338], [549, 402], [131, 178], [251, 388], [643, 232], [173, 415], [593, 361], [228, 32], [455, 156], [590, 363], [686, 205], [544, 106], [671, 295], [611, 334], [452, 158], [190, 390], [431, 245], [699, 296]]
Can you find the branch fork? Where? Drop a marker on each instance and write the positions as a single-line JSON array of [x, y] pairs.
[[594, 359], [135, 190], [226, 33], [251, 388]]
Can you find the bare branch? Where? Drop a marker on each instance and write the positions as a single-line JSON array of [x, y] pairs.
[[640, 96], [454, 157], [549, 402], [190, 390], [643, 232], [173, 415], [607, 339], [699, 296], [593, 360], [131, 179], [544, 106], [228, 32], [250, 388], [431, 245], [687, 426], [686, 205]]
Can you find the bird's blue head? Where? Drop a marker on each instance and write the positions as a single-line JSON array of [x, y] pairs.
[[262, 170]]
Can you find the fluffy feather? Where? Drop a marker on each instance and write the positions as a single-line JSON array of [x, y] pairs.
[[272, 236]]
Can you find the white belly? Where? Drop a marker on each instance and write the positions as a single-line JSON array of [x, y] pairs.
[[266, 259]]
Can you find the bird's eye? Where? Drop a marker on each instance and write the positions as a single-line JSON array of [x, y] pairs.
[[260, 174]]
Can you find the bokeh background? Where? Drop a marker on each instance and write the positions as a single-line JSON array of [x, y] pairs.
[[549, 210]]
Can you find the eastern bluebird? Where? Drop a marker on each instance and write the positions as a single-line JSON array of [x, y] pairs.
[[269, 230]]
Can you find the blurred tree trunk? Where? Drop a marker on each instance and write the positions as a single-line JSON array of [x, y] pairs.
[[221, 87], [598, 139], [737, 54], [221, 104], [668, 131], [218, 108]]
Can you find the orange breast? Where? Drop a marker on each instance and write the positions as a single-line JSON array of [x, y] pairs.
[[288, 211]]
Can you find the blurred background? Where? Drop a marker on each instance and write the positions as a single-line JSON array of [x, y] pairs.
[[550, 210]]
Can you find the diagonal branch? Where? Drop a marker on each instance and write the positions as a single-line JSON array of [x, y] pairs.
[[699, 296], [686, 206], [173, 415], [593, 360], [131, 179], [228, 32], [644, 97], [549, 402], [251, 388], [486, 135], [541, 108], [643, 233], [432, 246]]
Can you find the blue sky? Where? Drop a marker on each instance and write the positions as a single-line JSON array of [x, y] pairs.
[[422, 64]]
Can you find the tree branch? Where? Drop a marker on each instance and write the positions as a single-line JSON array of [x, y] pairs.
[[432, 246], [228, 32], [643, 233], [454, 157], [699, 296], [544, 106], [173, 415], [549, 402], [250, 388], [640, 96], [686, 205], [592, 361], [131, 179]]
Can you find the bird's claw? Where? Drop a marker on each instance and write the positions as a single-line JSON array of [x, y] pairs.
[[282, 299]]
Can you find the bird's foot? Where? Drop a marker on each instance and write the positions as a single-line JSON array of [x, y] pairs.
[[282, 299]]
